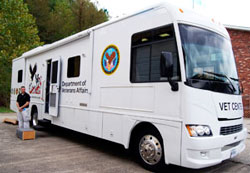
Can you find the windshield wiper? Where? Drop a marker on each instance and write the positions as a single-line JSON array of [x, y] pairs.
[[234, 79], [203, 76], [225, 76]]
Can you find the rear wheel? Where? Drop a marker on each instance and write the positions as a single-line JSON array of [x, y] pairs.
[[148, 148], [34, 119]]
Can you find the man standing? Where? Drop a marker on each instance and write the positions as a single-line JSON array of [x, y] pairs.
[[22, 103]]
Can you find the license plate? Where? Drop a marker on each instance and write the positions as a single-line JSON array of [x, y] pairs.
[[233, 153]]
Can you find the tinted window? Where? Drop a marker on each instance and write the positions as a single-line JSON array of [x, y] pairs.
[[142, 63], [146, 52], [73, 67], [20, 76], [54, 71]]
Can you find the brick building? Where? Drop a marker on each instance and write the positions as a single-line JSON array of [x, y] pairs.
[[240, 37]]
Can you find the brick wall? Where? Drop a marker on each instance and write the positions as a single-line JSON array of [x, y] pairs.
[[241, 46]]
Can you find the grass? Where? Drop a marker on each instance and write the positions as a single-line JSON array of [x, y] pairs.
[[5, 110]]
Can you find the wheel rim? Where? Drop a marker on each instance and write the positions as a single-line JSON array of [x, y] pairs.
[[150, 149], [35, 119]]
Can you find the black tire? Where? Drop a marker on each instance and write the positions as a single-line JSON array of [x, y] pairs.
[[34, 120], [152, 136]]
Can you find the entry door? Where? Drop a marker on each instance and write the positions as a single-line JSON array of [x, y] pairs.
[[55, 87]]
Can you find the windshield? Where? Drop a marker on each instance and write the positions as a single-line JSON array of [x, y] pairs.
[[209, 60]]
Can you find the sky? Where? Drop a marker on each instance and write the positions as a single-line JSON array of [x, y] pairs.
[[230, 12]]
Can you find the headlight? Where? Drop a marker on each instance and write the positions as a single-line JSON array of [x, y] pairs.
[[199, 130]]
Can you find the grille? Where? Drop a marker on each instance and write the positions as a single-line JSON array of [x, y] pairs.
[[231, 129]]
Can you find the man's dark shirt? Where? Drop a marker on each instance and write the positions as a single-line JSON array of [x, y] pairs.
[[22, 99]]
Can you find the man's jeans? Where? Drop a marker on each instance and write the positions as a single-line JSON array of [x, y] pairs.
[[24, 118]]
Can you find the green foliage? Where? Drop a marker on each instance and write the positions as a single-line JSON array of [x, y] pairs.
[[5, 110], [18, 34], [61, 21], [57, 19], [87, 15], [40, 9]]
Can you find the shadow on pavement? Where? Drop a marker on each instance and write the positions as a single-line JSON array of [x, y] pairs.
[[110, 148]]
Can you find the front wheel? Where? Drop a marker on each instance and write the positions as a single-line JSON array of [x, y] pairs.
[[148, 148]]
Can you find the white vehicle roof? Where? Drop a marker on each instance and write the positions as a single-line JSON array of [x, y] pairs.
[[177, 14]]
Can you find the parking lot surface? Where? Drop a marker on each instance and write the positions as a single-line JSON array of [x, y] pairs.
[[61, 150]]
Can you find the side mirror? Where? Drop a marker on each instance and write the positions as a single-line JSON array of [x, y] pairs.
[[167, 66]]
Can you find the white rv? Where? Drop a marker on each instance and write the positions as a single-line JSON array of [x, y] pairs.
[[162, 82]]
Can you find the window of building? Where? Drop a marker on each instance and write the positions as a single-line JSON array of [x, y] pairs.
[[146, 52], [74, 67], [20, 76]]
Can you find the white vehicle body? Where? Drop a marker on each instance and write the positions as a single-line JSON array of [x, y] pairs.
[[111, 107]]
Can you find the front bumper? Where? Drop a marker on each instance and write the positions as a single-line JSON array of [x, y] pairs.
[[208, 151]]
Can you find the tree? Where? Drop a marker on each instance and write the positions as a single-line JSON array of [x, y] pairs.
[[18, 34], [57, 19], [61, 22], [87, 15], [41, 9]]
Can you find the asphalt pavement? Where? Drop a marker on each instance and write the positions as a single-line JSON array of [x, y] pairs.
[[61, 150]]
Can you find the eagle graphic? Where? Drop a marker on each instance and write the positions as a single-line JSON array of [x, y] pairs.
[[32, 71], [35, 81], [110, 61]]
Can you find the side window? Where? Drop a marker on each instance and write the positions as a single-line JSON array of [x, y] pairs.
[[20, 76], [54, 71], [74, 65], [146, 52]]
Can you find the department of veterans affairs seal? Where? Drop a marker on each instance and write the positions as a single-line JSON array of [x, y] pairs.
[[110, 59]]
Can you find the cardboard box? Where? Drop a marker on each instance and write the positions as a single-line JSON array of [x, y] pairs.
[[11, 121], [25, 134]]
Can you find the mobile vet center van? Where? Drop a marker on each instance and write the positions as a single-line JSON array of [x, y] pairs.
[[162, 82]]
